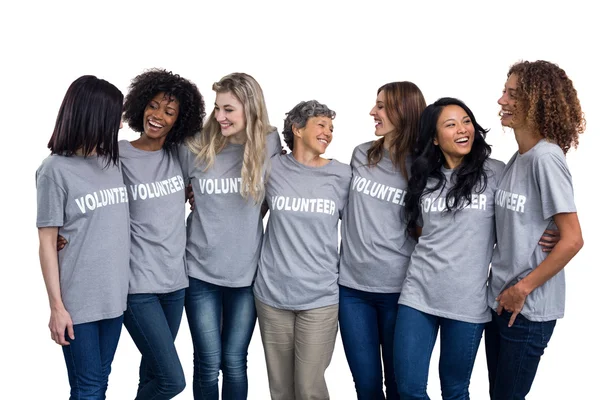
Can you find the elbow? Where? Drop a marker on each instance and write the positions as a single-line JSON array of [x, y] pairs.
[[575, 245]]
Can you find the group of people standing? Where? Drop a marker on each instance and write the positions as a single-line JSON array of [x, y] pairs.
[[423, 211]]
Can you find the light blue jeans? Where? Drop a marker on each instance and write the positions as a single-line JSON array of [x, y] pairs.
[[222, 321]]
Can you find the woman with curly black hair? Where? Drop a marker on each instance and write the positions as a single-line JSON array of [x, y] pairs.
[[165, 109], [450, 206], [527, 287]]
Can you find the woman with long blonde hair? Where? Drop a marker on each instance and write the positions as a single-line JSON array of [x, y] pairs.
[[227, 164]]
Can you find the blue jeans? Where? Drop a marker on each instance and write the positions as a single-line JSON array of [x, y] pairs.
[[513, 354], [153, 321], [367, 322], [89, 356], [414, 339], [221, 320]]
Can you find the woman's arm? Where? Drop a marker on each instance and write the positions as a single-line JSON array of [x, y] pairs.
[[60, 320], [570, 242]]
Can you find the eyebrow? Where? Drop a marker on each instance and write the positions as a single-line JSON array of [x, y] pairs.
[[224, 105]]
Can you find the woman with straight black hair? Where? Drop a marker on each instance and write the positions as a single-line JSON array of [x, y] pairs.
[[80, 192]]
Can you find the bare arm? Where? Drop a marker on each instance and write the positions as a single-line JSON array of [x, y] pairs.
[[60, 320], [568, 245]]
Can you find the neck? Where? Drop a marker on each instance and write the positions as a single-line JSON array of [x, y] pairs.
[[148, 144], [238, 138], [452, 162], [526, 139], [387, 141], [308, 158], [79, 152]]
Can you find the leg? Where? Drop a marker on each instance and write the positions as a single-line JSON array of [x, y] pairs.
[[361, 338], [387, 311], [239, 319], [315, 334], [89, 357], [492, 351], [152, 321], [277, 333], [203, 305], [414, 339], [459, 342], [520, 348]]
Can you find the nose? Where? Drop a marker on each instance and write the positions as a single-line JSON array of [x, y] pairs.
[[502, 100], [372, 113], [219, 115], [462, 128]]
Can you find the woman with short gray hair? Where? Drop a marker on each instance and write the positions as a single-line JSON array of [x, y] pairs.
[[296, 290]]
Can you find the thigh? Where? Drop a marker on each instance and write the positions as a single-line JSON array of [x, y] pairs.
[[492, 348], [86, 358], [359, 330], [459, 342], [315, 335], [520, 349], [414, 338], [149, 328], [172, 306], [387, 312], [203, 307], [239, 319], [277, 334]]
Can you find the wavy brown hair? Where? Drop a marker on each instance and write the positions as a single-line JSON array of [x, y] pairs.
[[548, 101], [404, 103]]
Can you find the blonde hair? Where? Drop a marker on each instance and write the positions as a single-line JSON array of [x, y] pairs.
[[210, 142]]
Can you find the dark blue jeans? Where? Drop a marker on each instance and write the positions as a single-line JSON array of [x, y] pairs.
[[415, 336], [367, 322], [153, 321], [89, 357], [513, 354], [222, 321]]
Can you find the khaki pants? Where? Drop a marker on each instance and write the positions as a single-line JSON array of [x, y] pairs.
[[298, 349]]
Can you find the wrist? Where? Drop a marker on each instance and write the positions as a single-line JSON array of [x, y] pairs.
[[524, 287]]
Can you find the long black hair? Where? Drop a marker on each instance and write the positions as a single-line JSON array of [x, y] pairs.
[[469, 177], [88, 120]]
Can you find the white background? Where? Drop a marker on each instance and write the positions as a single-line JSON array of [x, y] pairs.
[[336, 53]]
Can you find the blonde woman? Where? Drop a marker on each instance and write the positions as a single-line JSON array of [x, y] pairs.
[[226, 164]]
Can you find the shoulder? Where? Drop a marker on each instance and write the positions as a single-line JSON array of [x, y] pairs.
[[341, 169], [494, 166]]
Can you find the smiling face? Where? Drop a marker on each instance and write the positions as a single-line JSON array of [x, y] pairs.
[[229, 113], [160, 115], [455, 134], [383, 126], [510, 115], [316, 134]]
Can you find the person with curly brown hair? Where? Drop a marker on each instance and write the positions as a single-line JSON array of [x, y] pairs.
[[165, 109], [526, 289]]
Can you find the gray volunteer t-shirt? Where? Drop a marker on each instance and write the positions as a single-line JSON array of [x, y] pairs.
[[88, 204], [534, 187], [298, 267], [375, 249], [224, 232], [157, 213], [448, 270]]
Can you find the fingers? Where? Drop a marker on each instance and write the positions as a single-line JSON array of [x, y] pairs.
[[499, 309], [71, 331], [513, 317]]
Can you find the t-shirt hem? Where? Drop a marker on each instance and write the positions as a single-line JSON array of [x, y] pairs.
[[98, 317], [161, 290], [296, 307], [47, 224], [448, 315], [369, 289]]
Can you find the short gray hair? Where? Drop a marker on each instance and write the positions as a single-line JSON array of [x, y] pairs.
[[300, 114]]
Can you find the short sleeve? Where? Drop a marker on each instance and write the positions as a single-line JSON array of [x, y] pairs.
[[51, 202], [273, 144], [555, 184]]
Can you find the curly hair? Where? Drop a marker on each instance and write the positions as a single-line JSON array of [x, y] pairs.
[[145, 86], [469, 177], [299, 116], [211, 142], [403, 103], [548, 100]]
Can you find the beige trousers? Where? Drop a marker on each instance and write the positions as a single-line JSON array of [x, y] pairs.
[[298, 349]]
